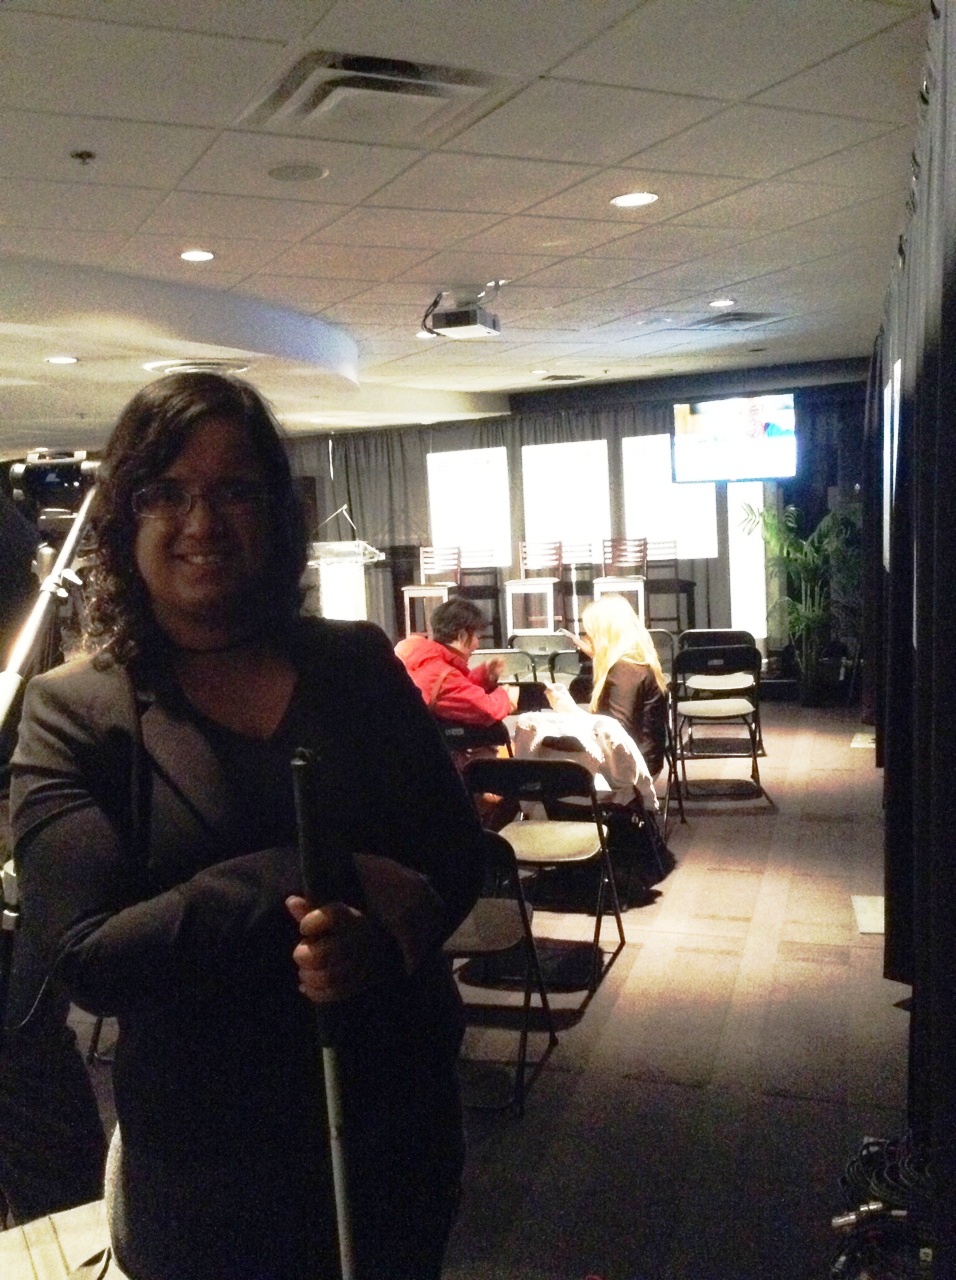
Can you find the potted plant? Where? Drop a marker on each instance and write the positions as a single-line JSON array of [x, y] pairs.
[[823, 588]]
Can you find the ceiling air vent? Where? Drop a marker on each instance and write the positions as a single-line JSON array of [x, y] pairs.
[[366, 99], [202, 364], [731, 320], [563, 377]]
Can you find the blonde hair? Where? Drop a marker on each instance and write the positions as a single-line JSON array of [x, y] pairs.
[[617, 634]]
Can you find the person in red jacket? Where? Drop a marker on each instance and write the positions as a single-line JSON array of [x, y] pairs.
[[439, 668]]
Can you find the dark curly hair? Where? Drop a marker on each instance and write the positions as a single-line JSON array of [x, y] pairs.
[[453, 617], [151, 432]]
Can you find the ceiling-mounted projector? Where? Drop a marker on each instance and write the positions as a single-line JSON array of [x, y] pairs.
[[465, 322]]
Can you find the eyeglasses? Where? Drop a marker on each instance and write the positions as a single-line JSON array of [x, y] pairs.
[[169, 500]]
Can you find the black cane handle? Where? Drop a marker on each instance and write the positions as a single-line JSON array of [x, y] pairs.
[[328, 871]]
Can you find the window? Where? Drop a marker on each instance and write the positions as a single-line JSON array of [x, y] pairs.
[[567, 497], [469, 504], [661, 511]]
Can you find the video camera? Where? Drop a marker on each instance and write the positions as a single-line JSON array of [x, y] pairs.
[[50, 486]]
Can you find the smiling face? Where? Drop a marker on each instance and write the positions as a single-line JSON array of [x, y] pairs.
[[202, 570]]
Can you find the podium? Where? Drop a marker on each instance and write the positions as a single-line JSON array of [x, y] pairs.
[[335, 579]]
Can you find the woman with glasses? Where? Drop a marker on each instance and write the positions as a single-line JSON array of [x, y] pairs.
[[155, 830]]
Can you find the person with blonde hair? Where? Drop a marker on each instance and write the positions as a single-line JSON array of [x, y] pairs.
[[628, 681]]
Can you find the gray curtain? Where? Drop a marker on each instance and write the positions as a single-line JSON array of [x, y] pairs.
[[381, 475]]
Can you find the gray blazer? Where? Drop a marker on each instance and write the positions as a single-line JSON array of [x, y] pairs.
[[144, 891]]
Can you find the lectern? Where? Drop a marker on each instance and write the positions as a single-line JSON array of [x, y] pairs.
[[335, 578]]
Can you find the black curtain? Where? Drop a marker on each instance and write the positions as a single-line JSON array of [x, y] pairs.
[[916, 600]]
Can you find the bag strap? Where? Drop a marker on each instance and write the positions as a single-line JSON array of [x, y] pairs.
[[433, 699]]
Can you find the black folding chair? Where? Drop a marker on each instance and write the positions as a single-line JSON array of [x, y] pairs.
[[498, 925], [547, 843], [695, 711]]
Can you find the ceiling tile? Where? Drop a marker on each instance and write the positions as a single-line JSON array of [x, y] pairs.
[[769, 206], [301, 292], [519, 40], [882, 164], [524, 299], [591, 124], [278, 20], [757, 142], [556, 236], [402, 229], [172, 77], [875, 80], [724, 48], [89, 248], [239, 164], [666, 242], [238, 217], [483, 183], [74, 207], [126, 153], [587, 273], [394, 293], [677, 192], [456, 267], [339, 261], [160, 255]]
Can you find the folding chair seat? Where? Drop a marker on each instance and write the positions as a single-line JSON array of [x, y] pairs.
[[440, 572], [546, 843], [710, 708], [497, 925]]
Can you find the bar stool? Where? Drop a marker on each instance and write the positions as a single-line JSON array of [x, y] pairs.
[[663, 580], [538, 592], [625, 570], [433, 561], [480, 582], [576, 555]]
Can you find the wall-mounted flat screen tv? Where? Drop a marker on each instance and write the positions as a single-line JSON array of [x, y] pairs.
[[741, 438]]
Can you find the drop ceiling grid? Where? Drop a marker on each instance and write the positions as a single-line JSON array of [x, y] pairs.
[[581, 118], [725, 48]]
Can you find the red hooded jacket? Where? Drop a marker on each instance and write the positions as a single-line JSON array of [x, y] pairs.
[[451, 690]]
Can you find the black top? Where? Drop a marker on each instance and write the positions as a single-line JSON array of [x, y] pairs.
[[632, 696], [155, 853]]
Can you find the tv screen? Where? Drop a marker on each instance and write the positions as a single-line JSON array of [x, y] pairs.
[[743, 438]]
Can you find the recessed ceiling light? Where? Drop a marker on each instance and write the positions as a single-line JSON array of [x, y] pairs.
[[62, 360], [297, 172], [724, 302], [539, 373], [633, 199], [197, 255]]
